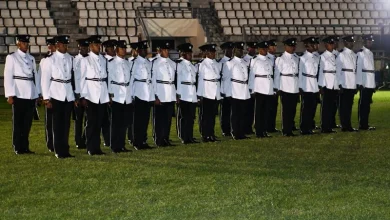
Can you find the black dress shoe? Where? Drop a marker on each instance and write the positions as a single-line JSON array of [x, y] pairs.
[[349, 130], [18, 152], [289, 135], [267, 135], [369, 128], [186, 142], [81, 146], [328, 131], [168, 143], [68, 155], [146, 146], [116, 151], [125, 150], [137, 147], [214, 139], [51, 149], [28, 152], [161, 144], [260, 135], [236, 138], [249, 133], [106, 145], [245, 137], [306, 133], [317, 128], [60, 156], [205, 139], [194, 141], [273, 130], [336, 126], [294, 128]]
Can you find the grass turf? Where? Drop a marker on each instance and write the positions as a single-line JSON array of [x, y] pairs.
[[334, 176]]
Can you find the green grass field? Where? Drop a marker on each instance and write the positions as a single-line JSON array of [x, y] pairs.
[[336, 176]]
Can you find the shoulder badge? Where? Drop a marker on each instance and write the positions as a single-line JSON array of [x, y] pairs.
[[230, 59], [178, 61], [341, 50], [361, 50], [219, 60], [48, 55], [110, 59], [11, 53], [254, 57], [85, 55]]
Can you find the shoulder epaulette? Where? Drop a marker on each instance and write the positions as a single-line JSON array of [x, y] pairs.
[[254, 57], [178, 61], [218, 60], [298, 54], [341, 50], [48, 55], [110, 59], [230, 59], [85, 55], [11, 53], [361, 50]]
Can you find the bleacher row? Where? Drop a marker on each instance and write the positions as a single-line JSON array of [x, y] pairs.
[[309, 16]]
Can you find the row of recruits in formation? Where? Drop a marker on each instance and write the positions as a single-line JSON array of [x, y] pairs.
[[115, 96]]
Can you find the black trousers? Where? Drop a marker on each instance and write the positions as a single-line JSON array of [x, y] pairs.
[[95, 114], [272, 112], [79, 125], [106, 124], [249, 115], [119, 122], [186, 113], [162, 118], [365, 101], [207, 117], [49, 128], [141, 118], [318, 102], [329, 98], [62, 111], [308, 111], [237, 118], [22, 116], [262, 108], [224, 117], [346, 103], [335, 106], [130, 113], [289, 109]]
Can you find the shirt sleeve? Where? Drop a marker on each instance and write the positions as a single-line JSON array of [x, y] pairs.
[[46, 76], [154, 77], [9, 81], [359, 68], [277, 74], [180, 67], [302, 69], [200, 80], [321, 77], [83, 74], [339, 66], [111, 77], [251, 80]]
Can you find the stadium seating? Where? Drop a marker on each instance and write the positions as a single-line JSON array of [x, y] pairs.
[[25, 17], [309, 16]]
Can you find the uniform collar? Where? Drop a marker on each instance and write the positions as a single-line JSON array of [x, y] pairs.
[[187, 61], [270, 54], [108, 57], [249, 56], [208, 60], [59, 54], [261, 57], [288, 54], [140, 58], [365, 48], [327, 52], [347, 50], [118, 58], [21, 53], [92, 54]]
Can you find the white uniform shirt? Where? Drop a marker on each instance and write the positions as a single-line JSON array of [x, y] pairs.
[[238, 88], [209, 85], [141, 79], [18, 67], [335, 52], [286, 73], [261, 75], [308, 69], [119, 80], [163, 79], [186, 81], [225, 80], [77, 73], [365, 71], [57, 76], [94, 67], [247, 59], [346, 69], [327, 73]]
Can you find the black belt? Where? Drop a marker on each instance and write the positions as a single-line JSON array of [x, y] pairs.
[[347, 70], [211, 80], [143, 80], [329, 71], [96, 79], [165, 82], [188, 83], [120, 84], [263, 76], [61, 80], [239, 81], [290, 75], [24, 78], [369, 71], [308, 75]]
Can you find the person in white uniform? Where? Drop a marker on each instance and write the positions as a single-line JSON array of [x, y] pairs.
[[186, 93], [329, 87], [308, 85], [120, 93], [237, 71], [143, 95], [79, 116], [365, 79], [273, 108], [58, 93], [225, 109], [346, 77], [94, 93], [48, 112], [261, 84], [286, 82], [208, 92], [163, 81], [22, 90]]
